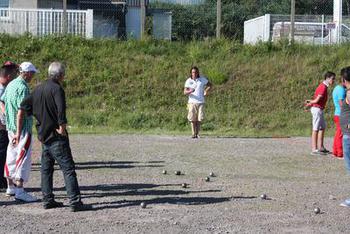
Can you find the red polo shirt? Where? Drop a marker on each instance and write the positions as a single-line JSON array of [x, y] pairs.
[[322, 91]]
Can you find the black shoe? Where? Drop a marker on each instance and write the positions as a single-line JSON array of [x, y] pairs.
[[53, 204], [79, 206]]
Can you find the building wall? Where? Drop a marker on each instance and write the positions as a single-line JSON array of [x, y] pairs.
[[30, 4]]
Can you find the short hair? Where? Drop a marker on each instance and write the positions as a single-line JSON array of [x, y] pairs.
[[196, 69], [329, 74], [7, 71], [345, 73], [56, 70]]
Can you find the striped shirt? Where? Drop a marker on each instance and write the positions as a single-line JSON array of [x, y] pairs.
[[14, 94]]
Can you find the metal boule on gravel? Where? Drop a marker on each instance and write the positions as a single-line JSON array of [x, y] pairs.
[[184, 185], [177, 172], [207, 179], [263, 196], [211, 174], [317, 210], [164, 172], [143, 205]]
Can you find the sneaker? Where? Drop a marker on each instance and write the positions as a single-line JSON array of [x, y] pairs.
[[346, 203], [25, 197], [324, 150], [317, 153], [52, 204], [10, 192], [79, 206]]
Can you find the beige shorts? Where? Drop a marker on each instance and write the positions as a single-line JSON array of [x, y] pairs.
[[195, 111], [318, 122]]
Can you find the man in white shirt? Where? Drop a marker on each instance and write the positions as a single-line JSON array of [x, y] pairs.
[[196, 88]]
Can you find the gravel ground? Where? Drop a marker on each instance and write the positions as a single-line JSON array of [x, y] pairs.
[[117, 173]]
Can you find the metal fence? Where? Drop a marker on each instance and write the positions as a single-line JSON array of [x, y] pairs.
[[45, 22]]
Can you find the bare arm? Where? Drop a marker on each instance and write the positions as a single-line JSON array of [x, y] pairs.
[[20, 116], [2, 107], [314, 101], [188, 91], [207, 88]]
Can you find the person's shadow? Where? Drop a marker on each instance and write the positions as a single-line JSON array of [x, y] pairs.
[[107, 164]]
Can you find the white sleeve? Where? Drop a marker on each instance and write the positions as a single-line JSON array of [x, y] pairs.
[[187, 84]]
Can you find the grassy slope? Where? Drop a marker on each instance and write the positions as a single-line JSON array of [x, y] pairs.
[[132, 86]]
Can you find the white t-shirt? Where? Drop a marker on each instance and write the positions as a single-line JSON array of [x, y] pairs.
[[198, 85]]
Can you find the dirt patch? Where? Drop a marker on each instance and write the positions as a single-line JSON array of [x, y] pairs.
[[117, 173]]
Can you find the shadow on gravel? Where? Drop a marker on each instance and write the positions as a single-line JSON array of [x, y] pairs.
[[9, 203], [162, 200], [106, 164]]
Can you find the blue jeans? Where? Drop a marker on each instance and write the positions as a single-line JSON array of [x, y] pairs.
[[346, 151], [58, 149], [4, 141]]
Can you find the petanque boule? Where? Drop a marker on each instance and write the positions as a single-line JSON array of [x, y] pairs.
[[317, 210], [263, 196], [164, 172], [143, 205], [177, 172], [211, 174], [184, 185], [207, 179]]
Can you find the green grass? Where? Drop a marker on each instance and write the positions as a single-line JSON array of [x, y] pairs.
[[137, 86]]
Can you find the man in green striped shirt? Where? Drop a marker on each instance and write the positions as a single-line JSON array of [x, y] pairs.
[[18, 159]]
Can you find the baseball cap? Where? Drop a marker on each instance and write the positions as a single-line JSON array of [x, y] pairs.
[[27, 67]]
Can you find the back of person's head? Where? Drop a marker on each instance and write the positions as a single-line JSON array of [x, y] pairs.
[[56, 71], [345, 73], [7, 71], [329, 74]]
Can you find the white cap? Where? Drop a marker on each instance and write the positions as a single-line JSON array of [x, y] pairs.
[[27, 67]]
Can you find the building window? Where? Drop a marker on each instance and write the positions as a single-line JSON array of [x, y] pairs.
[[4, 3]]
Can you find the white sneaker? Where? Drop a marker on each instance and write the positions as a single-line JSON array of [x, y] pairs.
[[25, 197], [10, 191]]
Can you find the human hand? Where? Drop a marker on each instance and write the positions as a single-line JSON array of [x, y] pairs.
[[61, 131], [16, 139]]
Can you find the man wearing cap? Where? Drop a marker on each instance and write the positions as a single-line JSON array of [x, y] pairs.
[[47, 103], [18, 158], [8, 72]]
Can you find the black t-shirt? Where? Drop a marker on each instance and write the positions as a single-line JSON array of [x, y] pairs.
[[47, 103]]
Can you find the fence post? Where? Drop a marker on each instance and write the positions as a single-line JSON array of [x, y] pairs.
[[218, 19], [143, 19], [65, 23], [292, 21], [89, 23]]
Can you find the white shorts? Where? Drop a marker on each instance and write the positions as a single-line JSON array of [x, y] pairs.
[[18, 158], [318, 122]]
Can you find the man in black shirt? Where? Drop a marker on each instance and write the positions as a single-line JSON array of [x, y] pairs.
[[48, 105]]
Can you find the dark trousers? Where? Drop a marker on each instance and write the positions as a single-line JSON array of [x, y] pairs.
[[58, 149], [4, 141]]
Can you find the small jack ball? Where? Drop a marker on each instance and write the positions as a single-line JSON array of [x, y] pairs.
[[143, 205]]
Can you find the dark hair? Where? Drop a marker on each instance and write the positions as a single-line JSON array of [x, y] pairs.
[[345, 73], [7, 71], [329, 74], [196, 69]]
